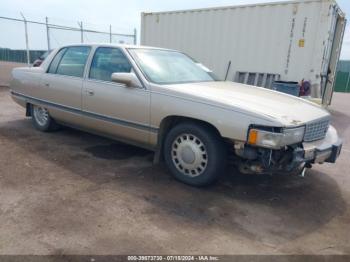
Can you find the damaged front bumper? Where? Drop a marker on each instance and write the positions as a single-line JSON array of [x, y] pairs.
[[256, 160], [325, 150]]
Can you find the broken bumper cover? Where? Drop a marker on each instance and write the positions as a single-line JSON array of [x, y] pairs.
[[254, 160], [326, 150]]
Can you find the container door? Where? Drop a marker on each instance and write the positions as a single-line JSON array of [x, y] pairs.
[[329, 70]]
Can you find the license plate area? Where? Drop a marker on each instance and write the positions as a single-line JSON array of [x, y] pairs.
[[322, 156]]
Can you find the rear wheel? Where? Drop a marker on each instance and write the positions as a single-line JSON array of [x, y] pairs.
[[195, 154], [42, 119]]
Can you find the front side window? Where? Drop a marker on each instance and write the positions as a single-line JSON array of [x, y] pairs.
[[107, 61], [72, 62], [170, 67]]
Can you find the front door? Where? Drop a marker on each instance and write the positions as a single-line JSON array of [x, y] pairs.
[[115, 108]]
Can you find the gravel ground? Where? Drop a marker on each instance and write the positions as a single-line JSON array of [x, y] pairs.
[[70, 192]]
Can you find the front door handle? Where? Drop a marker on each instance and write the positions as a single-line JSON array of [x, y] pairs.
[[47, 84], [90, 92]]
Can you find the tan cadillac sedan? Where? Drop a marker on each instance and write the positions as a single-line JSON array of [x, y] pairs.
[[163, 100]]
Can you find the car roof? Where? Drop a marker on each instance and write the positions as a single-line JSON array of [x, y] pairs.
[[126, 46]]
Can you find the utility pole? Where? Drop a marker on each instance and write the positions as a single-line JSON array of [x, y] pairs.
[[48, 34], [26, 37]]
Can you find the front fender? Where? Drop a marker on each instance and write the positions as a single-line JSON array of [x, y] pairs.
[[230, 124]]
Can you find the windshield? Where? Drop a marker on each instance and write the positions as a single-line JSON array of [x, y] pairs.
[[170, 67]]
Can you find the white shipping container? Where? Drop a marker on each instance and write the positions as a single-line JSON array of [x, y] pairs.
[[256, 44]]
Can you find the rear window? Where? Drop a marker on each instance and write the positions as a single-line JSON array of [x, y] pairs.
[[56, 61], [70, 61]]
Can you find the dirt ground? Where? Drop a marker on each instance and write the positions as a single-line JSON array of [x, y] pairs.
[[70, 192]]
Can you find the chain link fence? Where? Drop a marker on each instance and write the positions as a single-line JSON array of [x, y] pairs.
[[19, 56], [23, 40]]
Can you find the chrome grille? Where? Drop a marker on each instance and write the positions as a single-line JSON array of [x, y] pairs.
[[316, 131]]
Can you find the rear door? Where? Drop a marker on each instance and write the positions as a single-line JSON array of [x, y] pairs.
[[63, 80], [115, 108]]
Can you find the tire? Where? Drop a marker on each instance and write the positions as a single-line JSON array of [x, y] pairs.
[[42, 120], [195, 154]]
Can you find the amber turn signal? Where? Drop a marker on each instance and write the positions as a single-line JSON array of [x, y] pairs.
[[253, 136]]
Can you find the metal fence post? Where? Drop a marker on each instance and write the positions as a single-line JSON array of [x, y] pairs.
[[26, 37], [81, 32], [48, 34], [135, 36], [110, 33]]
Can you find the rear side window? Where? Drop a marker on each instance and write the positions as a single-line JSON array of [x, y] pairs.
[[70, 61], [56, 61], [107, 61]]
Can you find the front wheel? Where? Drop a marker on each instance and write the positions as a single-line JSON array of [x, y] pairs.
[[195, 154], [42, 119]]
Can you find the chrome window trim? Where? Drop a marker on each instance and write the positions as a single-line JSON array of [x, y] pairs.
[[53, 58]]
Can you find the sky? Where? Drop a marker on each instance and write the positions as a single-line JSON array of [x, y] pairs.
[[123, 15]]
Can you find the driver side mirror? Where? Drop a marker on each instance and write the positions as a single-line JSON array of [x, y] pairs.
[[129, 79]]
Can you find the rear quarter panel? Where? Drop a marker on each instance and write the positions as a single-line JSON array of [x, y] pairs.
[[27, 81]]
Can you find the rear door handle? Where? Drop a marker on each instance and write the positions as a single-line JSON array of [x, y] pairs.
[[90, 92], [47, 84]]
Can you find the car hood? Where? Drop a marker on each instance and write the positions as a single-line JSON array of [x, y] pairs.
[[261, 102]]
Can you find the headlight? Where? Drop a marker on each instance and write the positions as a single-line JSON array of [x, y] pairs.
[[287, 136]]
